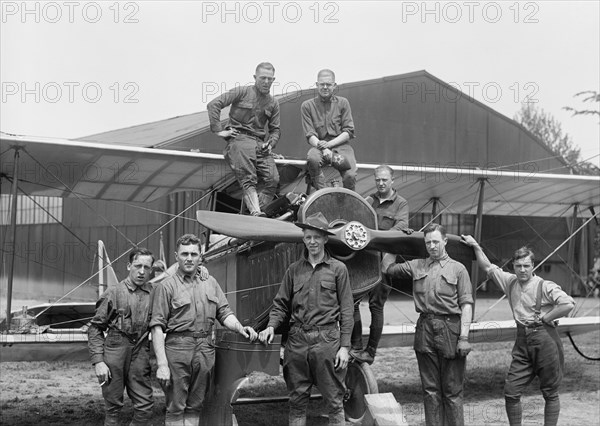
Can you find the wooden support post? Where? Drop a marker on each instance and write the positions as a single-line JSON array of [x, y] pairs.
[[383, 410]]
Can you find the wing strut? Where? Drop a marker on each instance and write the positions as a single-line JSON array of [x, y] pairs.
[[478, 223], [13, 235], [571, 249]]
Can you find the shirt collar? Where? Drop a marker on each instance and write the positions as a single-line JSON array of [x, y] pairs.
[[330, 100], [326, 258], [259, 93], [391, 198], [147, 287], [185, 278], [442, 261]]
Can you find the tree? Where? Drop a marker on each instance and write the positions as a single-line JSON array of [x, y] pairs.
[[549, 130], [591, 97]]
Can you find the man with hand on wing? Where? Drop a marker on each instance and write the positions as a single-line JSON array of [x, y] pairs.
[[536, 304], [316, 297]]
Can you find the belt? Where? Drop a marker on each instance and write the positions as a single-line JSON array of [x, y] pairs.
[[311, 327], [536, 326], [247, 133], [133, 338], [530, 327], [195, 334], [452, 317]]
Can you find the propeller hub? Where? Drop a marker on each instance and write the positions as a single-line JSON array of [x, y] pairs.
[[356, 235]]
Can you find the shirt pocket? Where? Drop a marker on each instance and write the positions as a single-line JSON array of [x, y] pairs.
[[419, 282], [448, 284], [321, 129], [242, 112], [262, 115], [329, 294], [298, 285], [386, 223], [181, 302], [211, 312]]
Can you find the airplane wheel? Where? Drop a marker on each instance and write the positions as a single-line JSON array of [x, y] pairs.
[[360, 381]]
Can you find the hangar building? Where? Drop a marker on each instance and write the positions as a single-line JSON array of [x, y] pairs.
[[412, 119]]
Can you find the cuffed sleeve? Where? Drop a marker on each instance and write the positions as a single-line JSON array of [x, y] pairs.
[[274, 125], [98, 325], [346, 303], [346, 115], [215, 106], [400, 270], [281, 304], [161, 300], [307, 120], [401, 216], [223, 308]]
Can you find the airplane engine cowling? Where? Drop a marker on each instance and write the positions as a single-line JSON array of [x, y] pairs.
[[340, 206]]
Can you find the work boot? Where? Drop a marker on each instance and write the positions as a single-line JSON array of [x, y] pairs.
[[362, 356], [251, 201]]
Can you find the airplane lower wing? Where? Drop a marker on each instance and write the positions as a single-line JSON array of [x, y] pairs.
[[485, 331], [72, 345]]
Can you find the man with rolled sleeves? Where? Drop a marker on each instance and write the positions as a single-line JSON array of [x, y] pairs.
[[249, 145], [392, 215], [186, 308], [316, 297], [328, 127], [122, 358], [536, 305], [443, 296]]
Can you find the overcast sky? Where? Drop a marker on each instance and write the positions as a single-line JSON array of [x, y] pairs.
[[70, 69]]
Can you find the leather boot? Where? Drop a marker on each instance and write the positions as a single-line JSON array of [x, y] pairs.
[[251, 201]]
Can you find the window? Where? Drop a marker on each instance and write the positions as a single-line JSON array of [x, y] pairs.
[[32, 210]]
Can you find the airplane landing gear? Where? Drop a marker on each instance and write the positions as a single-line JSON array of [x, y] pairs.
[[360, 381]]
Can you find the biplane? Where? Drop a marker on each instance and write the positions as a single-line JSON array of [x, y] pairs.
[[248, 256]]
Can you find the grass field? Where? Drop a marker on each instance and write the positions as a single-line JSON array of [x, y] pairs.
[[67, 393]]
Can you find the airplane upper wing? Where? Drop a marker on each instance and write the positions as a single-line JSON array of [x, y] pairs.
[[61, 167]]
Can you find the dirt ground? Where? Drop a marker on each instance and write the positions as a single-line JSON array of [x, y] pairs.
[[67, 393]]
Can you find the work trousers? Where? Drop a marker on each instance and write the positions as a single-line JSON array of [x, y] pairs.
[[191, 361], [129, 371], [251, 168], [377, 298], [309, 359], [442, 371], [315, 162], [537, 352]]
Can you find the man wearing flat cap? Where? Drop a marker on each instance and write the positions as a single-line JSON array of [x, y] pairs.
[[316, 297]]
